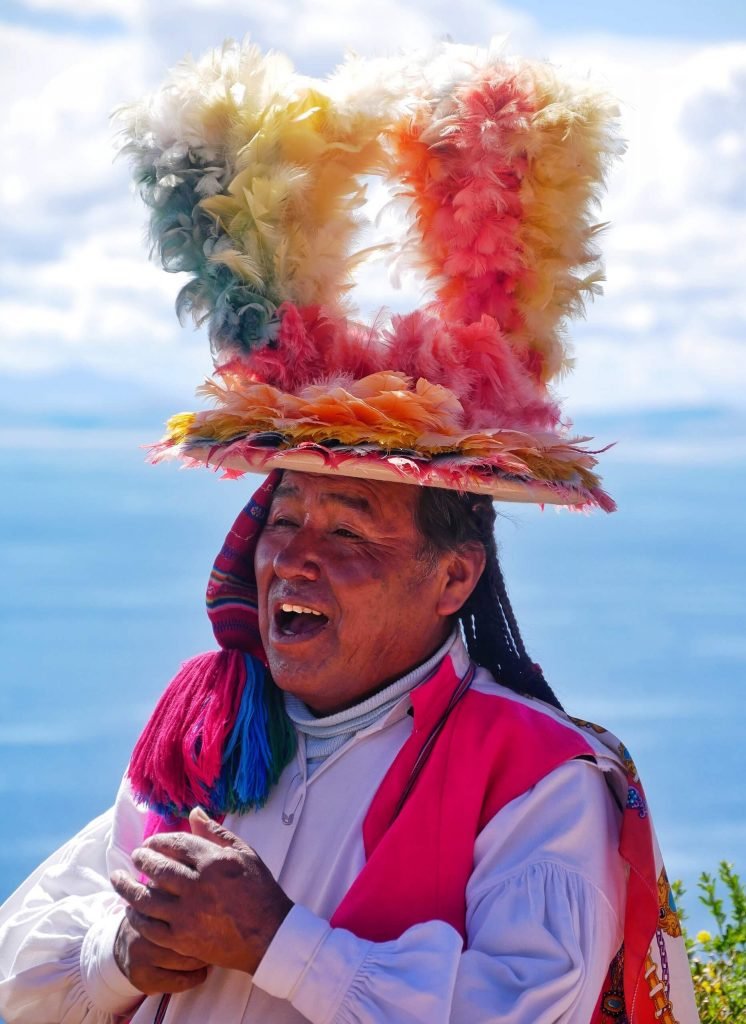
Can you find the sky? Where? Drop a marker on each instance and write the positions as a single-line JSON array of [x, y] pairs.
[[87, 322]]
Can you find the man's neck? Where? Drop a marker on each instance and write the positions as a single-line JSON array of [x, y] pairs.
[[402, 683], [382, 695], [324, 735]]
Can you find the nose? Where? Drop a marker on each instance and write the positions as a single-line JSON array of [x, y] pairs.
[[297, 557]]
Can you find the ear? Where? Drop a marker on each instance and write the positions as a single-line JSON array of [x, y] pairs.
[[462, 571]]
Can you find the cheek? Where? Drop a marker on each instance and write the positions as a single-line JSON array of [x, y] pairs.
[[263, 562], [373, 598], [365, 594]]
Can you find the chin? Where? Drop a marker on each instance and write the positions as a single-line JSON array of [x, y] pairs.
[[314, 688], [294, 677]]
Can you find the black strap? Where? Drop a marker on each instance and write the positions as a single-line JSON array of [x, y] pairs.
[[436, 730]]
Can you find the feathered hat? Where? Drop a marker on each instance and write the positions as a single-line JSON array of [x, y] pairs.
[[256, 179]]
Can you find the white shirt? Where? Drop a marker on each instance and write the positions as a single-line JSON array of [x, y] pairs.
[[544, 911]]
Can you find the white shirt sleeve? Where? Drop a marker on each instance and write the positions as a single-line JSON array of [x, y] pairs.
[[545, 905], [57, 931]]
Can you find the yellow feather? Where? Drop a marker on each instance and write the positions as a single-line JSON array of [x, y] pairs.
[[242, 264]]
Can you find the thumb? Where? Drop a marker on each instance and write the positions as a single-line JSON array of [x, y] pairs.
[[203, 825]]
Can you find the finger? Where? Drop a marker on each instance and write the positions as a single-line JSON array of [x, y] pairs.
[[205, 827], [168, 959], [132, 950], [170, 875], [154, 981], [146, 900], [178, 846], [150, 928], [172, 961]]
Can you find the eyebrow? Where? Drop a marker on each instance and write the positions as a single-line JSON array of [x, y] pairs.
[[355, 502]]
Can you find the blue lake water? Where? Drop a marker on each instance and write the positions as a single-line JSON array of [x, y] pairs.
[[637, 619]]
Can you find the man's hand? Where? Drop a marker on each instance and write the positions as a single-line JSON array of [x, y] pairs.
[[153, 969], [211, 899]]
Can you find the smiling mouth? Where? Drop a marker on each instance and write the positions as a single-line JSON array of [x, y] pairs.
[[293, 620]]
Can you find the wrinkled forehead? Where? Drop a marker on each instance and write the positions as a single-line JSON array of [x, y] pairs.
[[375, 499]]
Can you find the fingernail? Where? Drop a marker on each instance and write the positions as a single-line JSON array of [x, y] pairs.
[[200, 812]]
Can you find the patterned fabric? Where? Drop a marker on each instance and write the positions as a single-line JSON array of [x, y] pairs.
[[219, 736], [231, 589], [649, 981]]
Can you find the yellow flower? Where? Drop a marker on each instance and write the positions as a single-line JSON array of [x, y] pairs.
[[703, 936]]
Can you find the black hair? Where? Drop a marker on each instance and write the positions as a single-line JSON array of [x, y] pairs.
[[447, 520]]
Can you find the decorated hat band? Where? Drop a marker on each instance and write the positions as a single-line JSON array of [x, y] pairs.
[[256, 178]]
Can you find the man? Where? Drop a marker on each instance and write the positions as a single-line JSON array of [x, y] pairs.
[[368, 805], [354, 552]]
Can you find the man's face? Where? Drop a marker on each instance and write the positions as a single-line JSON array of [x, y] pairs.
[[345, 551]]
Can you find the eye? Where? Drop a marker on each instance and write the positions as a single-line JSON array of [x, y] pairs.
[[342, 531], [281, 521]]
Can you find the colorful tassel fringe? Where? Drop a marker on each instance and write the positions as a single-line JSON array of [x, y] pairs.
[[218, 738]]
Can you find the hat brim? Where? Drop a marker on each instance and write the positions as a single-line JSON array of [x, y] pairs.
[[452, 472]]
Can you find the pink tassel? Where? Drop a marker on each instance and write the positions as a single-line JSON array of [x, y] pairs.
[[178, 756]]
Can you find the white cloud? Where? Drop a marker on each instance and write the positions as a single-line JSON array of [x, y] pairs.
[[343, 24], [103, 308], [57, 138], [671, 329], [124, 10], [680, 369], [316, 33]]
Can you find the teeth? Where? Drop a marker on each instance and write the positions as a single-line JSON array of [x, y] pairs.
[[299, 609]]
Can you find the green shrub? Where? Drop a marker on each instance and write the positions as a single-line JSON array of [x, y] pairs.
[[718, 960]]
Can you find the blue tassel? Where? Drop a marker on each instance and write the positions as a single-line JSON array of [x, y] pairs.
[[260, 745]]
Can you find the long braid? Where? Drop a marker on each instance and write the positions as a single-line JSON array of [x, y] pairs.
[[447, 520]]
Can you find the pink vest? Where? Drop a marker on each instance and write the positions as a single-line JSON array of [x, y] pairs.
[[491, 750]]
